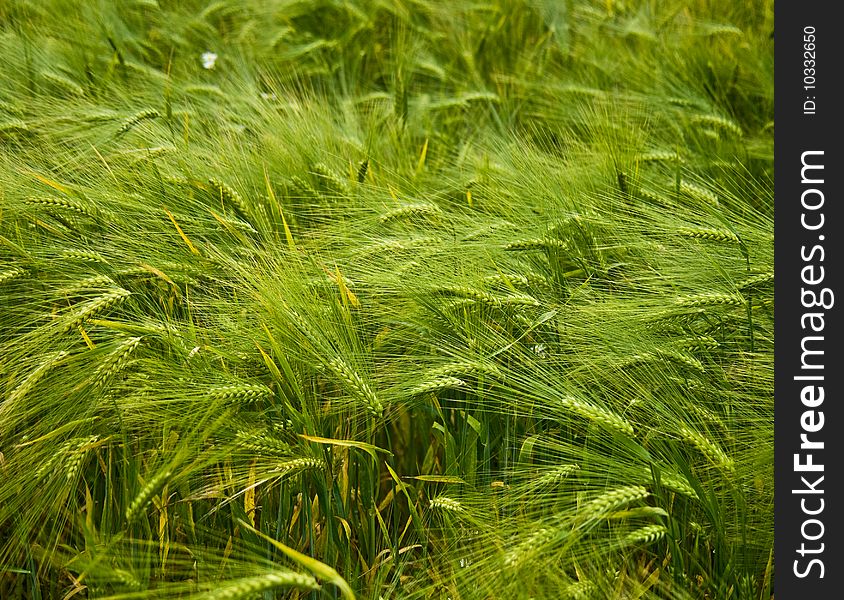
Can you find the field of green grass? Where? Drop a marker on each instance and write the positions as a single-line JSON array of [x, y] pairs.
[[386, 299]]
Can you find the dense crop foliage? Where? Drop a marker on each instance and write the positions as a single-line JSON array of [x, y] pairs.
[[386, 299]]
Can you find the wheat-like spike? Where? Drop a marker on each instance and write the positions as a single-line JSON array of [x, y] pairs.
[[238, 224], [301, 464], [303, 326], [409, 211], [530, 546], [581, 590], [465, 368], [459, 303], [518, 300], [357, 385], [705, 233], [721, 29], [711, 299], [644, 535], [178, 181], [444, 503], [598, 415], [115, 361], [678, 101], [653, 196], [394, 245], [469, 292], [141, 500], [262, 443], [697, 342], [250, 587], [241, 391], [660, 156], [84, 255], [536, 244], [13, 126], [94, 307], [11, 108], [704, 413], [489, 299], [682, 359], [11, 274], [205, 88], [54, 459], [35, 376], [126, 578], [73, 460], [556, 475], [150, 153], [306, 188], [436, 384], [634, 359], [330, 179], [719, 122], [63, 82], [757, 280], [708, 448], [62, 203], [93, 282], [582, 90], [614, 499], [285, 425], [143, 115], [507, 278], [224, 191], [699, 193], [674, 482]]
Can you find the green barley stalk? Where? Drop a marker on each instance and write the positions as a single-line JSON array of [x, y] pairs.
[[437, 384], [710, 299], [146, 494], [84, 255], [138, 117], [10, 274], [718, 122], [115, 361], [704, 233], [445, 503], [757, 280], [708, 448], [34, 377], [699, 193], [229, 195], [646, 535], [597, 415], [61, 203], [330, 179], [248, 392], [262, 443], [250, 587], [409, 211], [613, 500], [74, 459], [537, 244], [300, 464], [94, 307], [356, 385]]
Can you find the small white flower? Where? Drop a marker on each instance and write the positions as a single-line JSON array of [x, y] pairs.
[[193, 352], [208, 60], [539, 349]]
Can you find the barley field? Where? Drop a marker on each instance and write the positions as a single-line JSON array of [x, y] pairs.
[[386, 299]]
